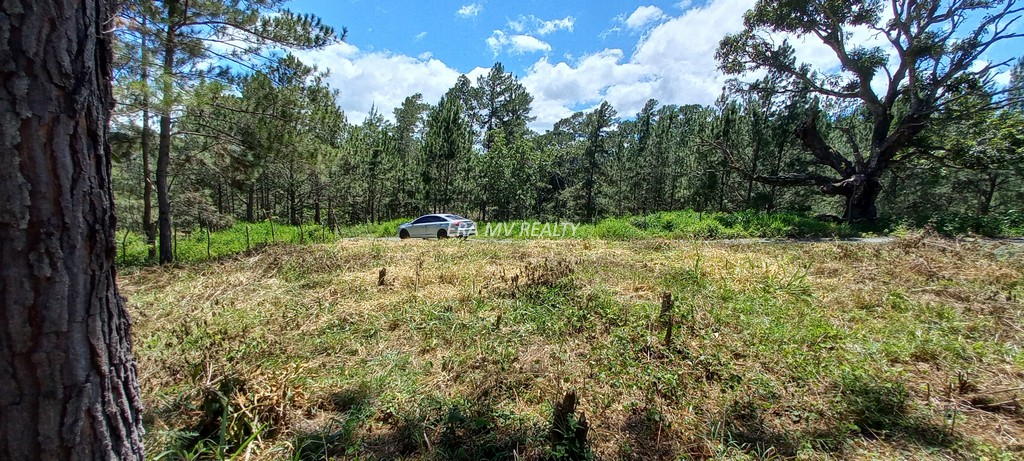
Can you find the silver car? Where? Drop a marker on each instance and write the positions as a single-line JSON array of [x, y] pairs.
[[437, 225]]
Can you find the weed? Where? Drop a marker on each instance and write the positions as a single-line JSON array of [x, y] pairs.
[[569, 431], [814, 351]]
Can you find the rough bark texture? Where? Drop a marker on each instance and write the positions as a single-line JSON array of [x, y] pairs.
[[163, 159], [68, 387], [163, 162], [147, 182]]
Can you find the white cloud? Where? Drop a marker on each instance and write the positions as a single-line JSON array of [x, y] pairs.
[[643, 16], [420, 36], [547, 27], [1003, 78], [516, 44], [674, 62], [470, 11], [531, 23], [379, 79], [425, 56]]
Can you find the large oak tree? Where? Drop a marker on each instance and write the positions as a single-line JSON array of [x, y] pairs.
[[68, 387], [930, 50]]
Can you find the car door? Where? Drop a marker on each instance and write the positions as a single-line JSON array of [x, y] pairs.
[[430, 226], [418, 229], [436, 223]]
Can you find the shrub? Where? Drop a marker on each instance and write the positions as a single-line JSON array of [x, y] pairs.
[[616, 229], [390, 228]]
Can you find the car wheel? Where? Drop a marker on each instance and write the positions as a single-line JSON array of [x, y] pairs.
[[403, 234], [442, 234]]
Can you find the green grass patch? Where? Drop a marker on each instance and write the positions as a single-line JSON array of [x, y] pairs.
[[468, 351]]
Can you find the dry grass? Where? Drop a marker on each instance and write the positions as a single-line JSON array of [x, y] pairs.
[[818, 351]]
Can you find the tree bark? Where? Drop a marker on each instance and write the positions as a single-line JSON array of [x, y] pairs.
[[316, 199], [989, 191], [164, 155], [147, 151], [148, 226], [250, 199], [860, 201], [68, 386]]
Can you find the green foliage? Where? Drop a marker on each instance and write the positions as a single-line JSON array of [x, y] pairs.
[[957, 224], [849, 162], [271, 141], [694, 225], [616, 229], [201, 244], [447, 148]]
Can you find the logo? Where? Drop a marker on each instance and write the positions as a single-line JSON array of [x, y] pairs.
[[534, 229]]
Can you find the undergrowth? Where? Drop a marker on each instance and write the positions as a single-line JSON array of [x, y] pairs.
[[459, 350]]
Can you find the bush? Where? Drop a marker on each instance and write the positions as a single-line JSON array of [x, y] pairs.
[[954, 224], [390, 228], [616, 229]]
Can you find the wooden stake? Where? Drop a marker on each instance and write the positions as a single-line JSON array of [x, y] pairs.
[[668, 331], [666, 305]]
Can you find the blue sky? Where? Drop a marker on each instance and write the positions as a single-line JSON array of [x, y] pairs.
[[570, 54], [456, 32]]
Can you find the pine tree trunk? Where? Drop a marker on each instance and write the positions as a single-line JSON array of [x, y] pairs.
[[250, 199], [164, 155], [68, 386], [316, 199], [220, 198], [148, 226]]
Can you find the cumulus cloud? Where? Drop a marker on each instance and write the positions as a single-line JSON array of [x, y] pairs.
[[673, 62], [643, 16], [379, 79], [516, 44], [470, 11], [520, 35]]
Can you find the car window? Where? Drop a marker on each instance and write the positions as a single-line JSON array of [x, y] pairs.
[[428, 219], [454, 216]]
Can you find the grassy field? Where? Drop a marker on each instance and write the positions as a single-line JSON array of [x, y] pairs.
[[202, 245], [466, 350]]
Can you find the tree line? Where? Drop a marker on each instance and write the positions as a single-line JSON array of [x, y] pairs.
[[246, 131], [940, 131]]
